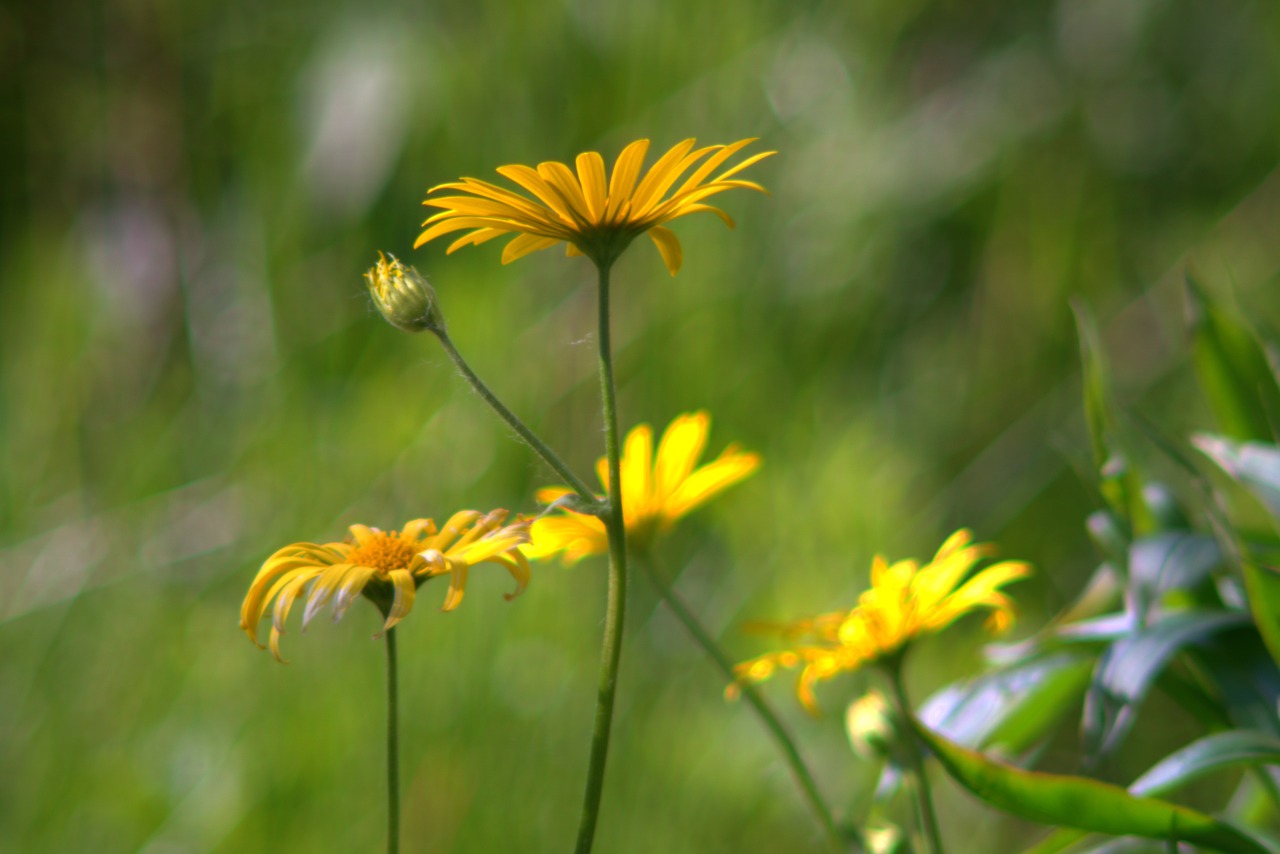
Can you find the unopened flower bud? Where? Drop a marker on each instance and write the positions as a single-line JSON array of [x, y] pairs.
[[404, 296], [870, 725]]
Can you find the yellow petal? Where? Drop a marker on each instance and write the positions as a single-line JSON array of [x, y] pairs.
[[351, 586], [402, 604], [591, 177], [679, 451], [668, 247], [575, 534], [525, 244], [532, 181], [623, 180], [563, 181], [457, 585], [661, 176], [636, 472], [709, 481]]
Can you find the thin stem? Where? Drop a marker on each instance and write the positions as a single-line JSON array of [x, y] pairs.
[[539, 447], [393, 747], [611, 647], [754, 699], [911, 746]]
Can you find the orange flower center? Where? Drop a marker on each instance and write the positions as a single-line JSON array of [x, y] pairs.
[[384, 551]]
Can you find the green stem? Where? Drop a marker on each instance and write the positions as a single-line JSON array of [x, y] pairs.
[[393, 748], [539, 447], [754, 699], [915, 761], [611, 647]]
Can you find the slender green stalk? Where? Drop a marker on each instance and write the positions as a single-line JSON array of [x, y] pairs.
[[393, 747], [753, 698], [616, 609], [539, 447], [915, 761]]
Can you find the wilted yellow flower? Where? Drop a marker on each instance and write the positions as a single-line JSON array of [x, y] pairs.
[[904, 602], [386, 566], [595, 217], [655, 493]]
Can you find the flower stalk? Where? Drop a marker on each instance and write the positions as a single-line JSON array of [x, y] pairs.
[[530, 438], [799, 770], [616, 606], [911, 748], [393, 746]]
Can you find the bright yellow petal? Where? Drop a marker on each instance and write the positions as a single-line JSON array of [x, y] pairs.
[[402, 604], [731, 467], [626, 169], [323, 589], [636, 472], [668, 247], [551, 494], [591, 177], [525, 244], [575, 534], [457, 585], [533, 181], [679, 450], [661, 176], [563, 181]]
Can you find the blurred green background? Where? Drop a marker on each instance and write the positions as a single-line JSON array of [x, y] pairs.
[[191, 376]]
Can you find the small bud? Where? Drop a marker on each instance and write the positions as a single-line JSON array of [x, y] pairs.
[[870, 725], [404, 296]]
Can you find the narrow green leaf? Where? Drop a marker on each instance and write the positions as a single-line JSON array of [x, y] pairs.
[[1119, 483], [1254, 465], [1173, 560], [1082, 803], [1012, 707], [1127, 669], [1211, 753], [1262, 584], [1233, 369]]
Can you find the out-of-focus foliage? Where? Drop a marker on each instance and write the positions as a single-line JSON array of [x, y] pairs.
[[191, 376]]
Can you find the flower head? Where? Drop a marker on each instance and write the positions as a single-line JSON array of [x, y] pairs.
[[655, 493], [403, 295], [594, 216], [385, 566], [905, 601]]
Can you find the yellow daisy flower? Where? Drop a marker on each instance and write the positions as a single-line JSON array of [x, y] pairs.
[[655, 493], [385, 566], [904, 602], [595, 217]]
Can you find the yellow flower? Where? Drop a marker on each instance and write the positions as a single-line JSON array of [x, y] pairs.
[[386, 566], [655, 493], [594, 217], [904, 602]]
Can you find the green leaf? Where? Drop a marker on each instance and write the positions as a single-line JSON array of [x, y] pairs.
[[1118, 481], [1012, 707], [1262, 584], [1233, 369], [1211, 753], [1174, 560], [1082, 803], [1254, 465], [1127, 669]]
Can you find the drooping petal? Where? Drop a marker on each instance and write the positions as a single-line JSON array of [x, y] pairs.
[[526, 244], [403, 583], [668, 247]]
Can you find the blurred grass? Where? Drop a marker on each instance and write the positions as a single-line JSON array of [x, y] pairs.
[[190, 376]]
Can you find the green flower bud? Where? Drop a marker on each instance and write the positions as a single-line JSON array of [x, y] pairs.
[[404, 296], [870, 725]]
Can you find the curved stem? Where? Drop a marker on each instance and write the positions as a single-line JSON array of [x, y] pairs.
[[911, 746], [393, 747], [539, 447], [611, 647], [790, 752]]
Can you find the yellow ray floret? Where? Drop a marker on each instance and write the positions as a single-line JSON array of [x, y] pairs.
[[655, 492], [904, 601], [385, 566], [592, 214]]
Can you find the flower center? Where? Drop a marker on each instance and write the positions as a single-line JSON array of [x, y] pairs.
[[384, 551]]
